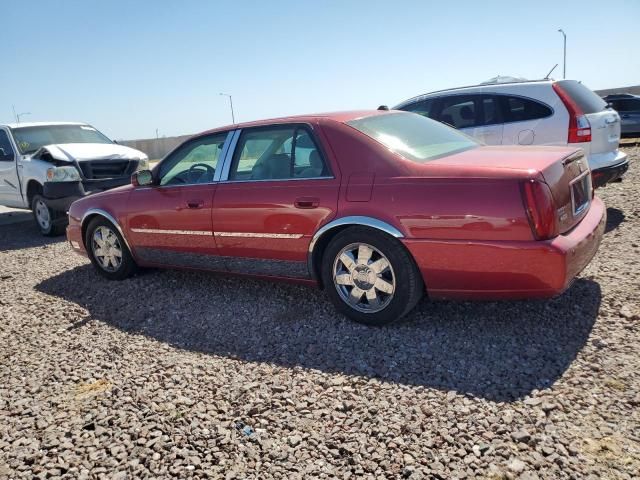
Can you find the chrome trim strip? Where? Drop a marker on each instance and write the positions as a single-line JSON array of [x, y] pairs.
[[352, 220], [108, 216], [227, 160], [276, 180], [172, 232], [258, 235]]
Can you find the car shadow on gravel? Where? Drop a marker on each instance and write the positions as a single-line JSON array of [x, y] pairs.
[[615, 217], [24, 235], [499, 351]]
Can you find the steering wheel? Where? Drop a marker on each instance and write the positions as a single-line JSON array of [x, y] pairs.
[[194, 169]]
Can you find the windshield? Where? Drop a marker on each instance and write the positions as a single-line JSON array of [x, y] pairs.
[[413, 136], [30, 139]]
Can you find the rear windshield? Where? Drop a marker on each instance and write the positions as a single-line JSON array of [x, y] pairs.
[[413, 136], [586, 99], [30, 139]]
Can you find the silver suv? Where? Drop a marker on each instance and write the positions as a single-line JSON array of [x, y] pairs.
[[539, 112]]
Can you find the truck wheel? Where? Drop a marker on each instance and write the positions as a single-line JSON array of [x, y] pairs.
[[50, 222]]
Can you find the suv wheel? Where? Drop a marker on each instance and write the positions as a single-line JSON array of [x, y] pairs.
[[50, 222], [107, 250], [370, 277]]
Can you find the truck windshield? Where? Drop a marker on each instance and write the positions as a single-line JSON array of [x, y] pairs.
[[30, 139], [413, 136]]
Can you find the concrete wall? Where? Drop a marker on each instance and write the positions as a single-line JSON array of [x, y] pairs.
[[155, 148], [634, 90]]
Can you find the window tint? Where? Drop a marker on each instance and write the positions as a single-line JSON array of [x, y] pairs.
[[490, 111], [424, 108], [5, 145], [277, 154], [413, 136], [459, 111], [588, 101], [517, 109], [194, 162], [626, 105]]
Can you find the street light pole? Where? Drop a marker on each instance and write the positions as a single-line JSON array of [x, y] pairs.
[[21, 114], [564, 64], [233, 117]]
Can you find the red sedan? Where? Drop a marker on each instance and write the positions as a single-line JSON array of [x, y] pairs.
[[377, 207]]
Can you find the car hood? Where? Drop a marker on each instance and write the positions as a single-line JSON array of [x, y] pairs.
[[82, 152]]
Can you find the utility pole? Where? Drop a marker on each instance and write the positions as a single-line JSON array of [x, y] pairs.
[[157, 134], [233, 117], [564, 63]]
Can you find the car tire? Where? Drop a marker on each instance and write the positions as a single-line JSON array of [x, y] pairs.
[[112, 259], [51, 223], [386, 293]]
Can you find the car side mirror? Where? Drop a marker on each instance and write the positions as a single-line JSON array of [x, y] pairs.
[[142, 178]]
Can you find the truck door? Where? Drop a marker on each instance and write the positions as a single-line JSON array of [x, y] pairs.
[[9, 182]]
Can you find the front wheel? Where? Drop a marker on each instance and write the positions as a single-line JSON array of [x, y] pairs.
[[370, 277], [50, 222], [107, 250]]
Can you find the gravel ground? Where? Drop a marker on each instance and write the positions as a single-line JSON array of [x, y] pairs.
[[179, 374]]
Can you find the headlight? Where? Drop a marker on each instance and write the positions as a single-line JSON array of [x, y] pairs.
[[62, 174], [143, 164]]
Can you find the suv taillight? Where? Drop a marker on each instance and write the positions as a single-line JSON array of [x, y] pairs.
[[539, 205], [579, 126]]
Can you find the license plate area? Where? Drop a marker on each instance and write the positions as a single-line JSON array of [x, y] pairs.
[[580, 193]]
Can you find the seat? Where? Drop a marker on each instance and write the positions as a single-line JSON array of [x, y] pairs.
[[315, 166]]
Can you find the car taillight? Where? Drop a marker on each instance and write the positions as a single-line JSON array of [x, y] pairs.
[[579, 126], [538, 202]]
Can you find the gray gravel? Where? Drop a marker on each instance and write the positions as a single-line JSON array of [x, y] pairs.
[[179, 374]]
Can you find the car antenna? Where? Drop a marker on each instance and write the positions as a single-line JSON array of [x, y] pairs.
[[554, 67]]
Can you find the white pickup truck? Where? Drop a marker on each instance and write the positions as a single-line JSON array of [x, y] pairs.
[[46, 166]]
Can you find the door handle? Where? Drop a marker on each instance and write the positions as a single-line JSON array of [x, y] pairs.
[[191, 204], [307, 202]]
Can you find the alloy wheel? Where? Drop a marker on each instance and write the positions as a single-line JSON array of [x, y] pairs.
[[364, 277], [106, 248]]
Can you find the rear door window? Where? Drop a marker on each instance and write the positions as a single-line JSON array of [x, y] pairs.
[[491, 114], [585, 98], [460, 111], [518, 109]]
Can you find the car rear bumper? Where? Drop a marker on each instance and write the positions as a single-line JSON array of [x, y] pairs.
[[485, 270], [604, 175], [60, 195]]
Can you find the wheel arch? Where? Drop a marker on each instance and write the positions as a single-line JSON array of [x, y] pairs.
[[327, 232], [33, 188], [98, 212]]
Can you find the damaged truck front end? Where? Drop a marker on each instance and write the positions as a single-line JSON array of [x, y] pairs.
[[69, 179]]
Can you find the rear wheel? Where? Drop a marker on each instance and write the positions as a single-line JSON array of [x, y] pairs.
[[50, 222], [370, 277], [108, 251]]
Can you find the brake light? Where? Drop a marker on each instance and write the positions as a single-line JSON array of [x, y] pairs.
[[538, 202], [579, 126]]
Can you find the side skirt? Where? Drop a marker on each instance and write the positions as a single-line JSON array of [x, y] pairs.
[[241, 265]]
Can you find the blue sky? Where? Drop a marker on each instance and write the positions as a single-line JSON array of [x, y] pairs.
[[131, 67]]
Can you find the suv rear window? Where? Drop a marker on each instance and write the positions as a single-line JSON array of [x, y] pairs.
[[587, 100], [413, 136]]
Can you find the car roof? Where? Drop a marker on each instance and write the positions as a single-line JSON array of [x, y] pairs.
[[341, 117], [40, 124], [492, 86]]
